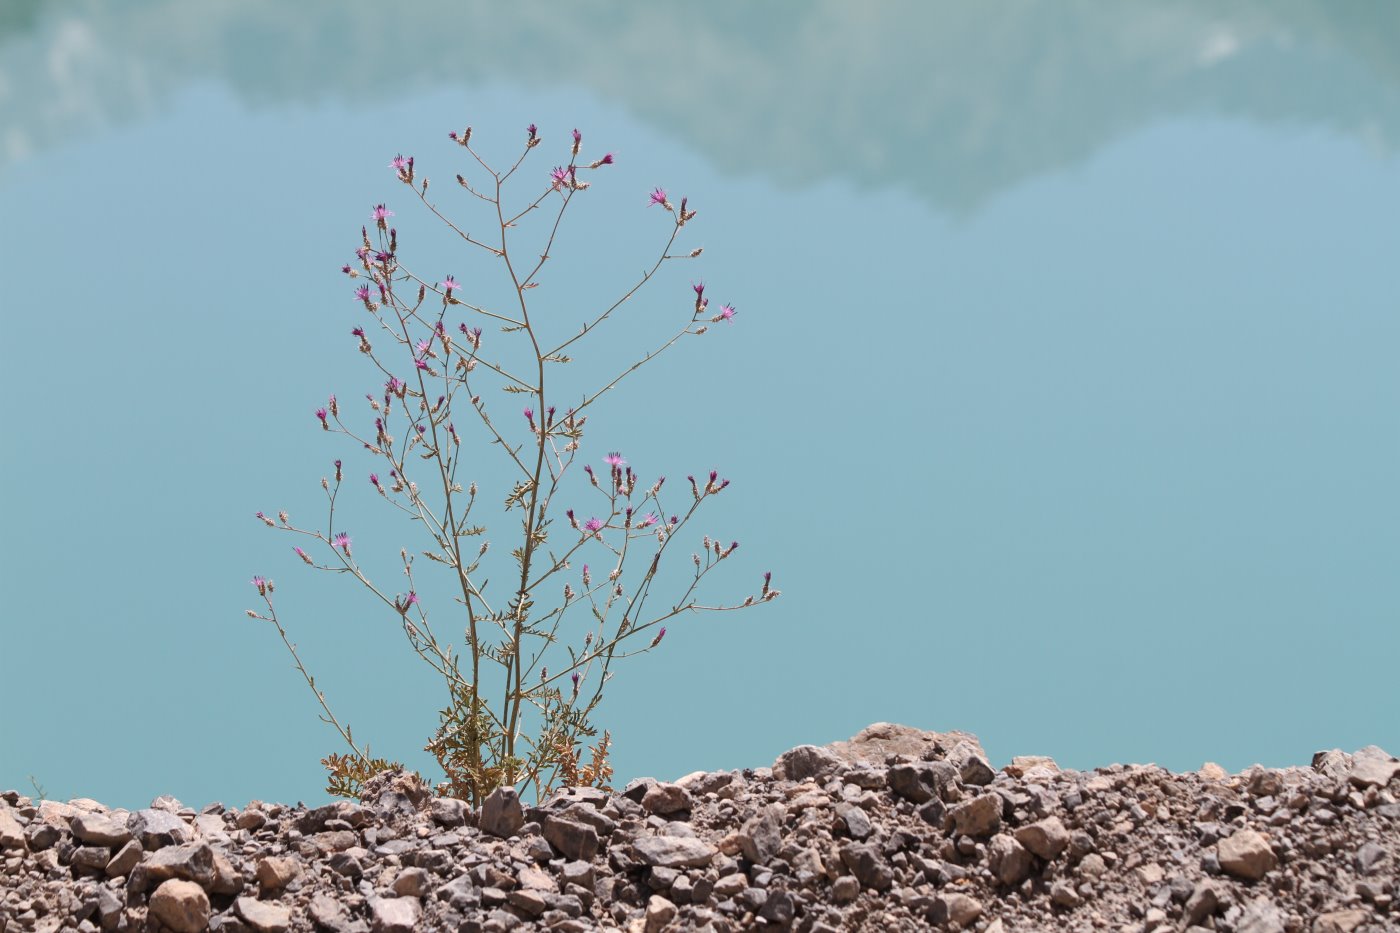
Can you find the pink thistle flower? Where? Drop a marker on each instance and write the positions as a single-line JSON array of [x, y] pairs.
[[726, 313], [586, 578], [574, 678], [647, 520], [614, 459], [358, 332], [399, 163], [421, 363], [423, 347], [530, 416], [578, 137], [393, 385], [412, 598], [321, 414], [658, 197], [362, 294], [342, 541], [361, 253], [699, 290], [607, 159], [380, 214], [593, 525], [260, 583], [449, 284], [531, 129], [559, 177], [374, 480]]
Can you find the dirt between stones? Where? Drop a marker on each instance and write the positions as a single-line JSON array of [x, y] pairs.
[[896, 829]]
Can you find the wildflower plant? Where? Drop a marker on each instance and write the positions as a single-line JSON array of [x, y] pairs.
[[440, 369]]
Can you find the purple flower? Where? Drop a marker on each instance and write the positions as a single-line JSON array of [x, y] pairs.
[[578, 137], [647, 520], [699, 289], [659, 635], [358, 332], [412, 598], [530, 415], [374, 480], [531, 130], [259, 582], [421, 363], [341, 541], [726, 313], [593, 525], [393, 385], [321, 413], [423, 347], [362, 293], [448, 284], [614, 459], [380, 213], [607, 159], [574, 678], [658, 197], [559, 176], [399, 163]]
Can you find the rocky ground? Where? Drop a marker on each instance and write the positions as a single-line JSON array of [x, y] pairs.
[[894, 830]]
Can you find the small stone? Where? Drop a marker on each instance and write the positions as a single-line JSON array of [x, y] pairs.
[[1246, 854], [328, 913], [11, 832], [1261, 916], [665, 799], [155, 828], [193, 861], [761, 837], [448, 811], [867, 864], [845, 889], [394, 914], [674, 851], [530, 901], [181, 905], [1210, 771], [1154, 918], [956, 908], [980, 816], [1372, 772], [127, 858], [805, 762], [412, 882], [1201, 904], [854, 820], [1340, 921], [227, 880], [100, 829], [263, 916], [276, 872], [1046, 838], [1023, 763], [1064, 895], [1009, 861], [659, 913], [1368, 857], [501, 813], [571, 839], [540, 880], [1092, 865]]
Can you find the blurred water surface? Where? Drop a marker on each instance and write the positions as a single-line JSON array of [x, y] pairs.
[[1061, 400]]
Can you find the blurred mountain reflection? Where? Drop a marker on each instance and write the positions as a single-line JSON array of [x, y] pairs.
[[951, 102]]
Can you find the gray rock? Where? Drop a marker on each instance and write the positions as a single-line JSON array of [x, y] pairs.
[[571, 839], [665, 799], [414, 882], [1246, 854], [673, 851], [155, 829], [1341, 921], [449, 811], [868, 866], [1009, 861], [328, 913], [181, 905], [921, 781], [501, 813], [263, 916], [805, 762], [1201, 904], [1333, 763], [956, 908], [980, 816], [1047, 838], [394, 914], [761, 837], [100, 829], [1261, 916], [1372, 772], [854, 820], [193, 861], [1368, 857]]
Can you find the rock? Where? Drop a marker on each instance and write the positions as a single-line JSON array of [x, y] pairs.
[[395, 794], [921, 781], [193, 861], [181, 905], [845, 889], [1368, 857], [127, 858], [529, 901], [100, 829], [1201, 904], [867, 864], [263, 916], [1261, 916], [1023, 763], [665, 799], [673, 851], [328, 913], [878, 741], [1009, 861], [980, 816], [415, 882], [706, 782], [1372, 772], [1064, 895], [449, 811], [1047, 838], [501, 813], [1333, 763], [659, 913], [155, 829], [394, 914], [276, 872], [854, 821], [11, 832], [761, 837], [227, 880], [805, 762], [1246, 854], [1340, 921], [956, 908], [1210, 771], [571, 839]]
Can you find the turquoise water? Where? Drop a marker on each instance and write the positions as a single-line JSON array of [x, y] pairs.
[[1061, 401]]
